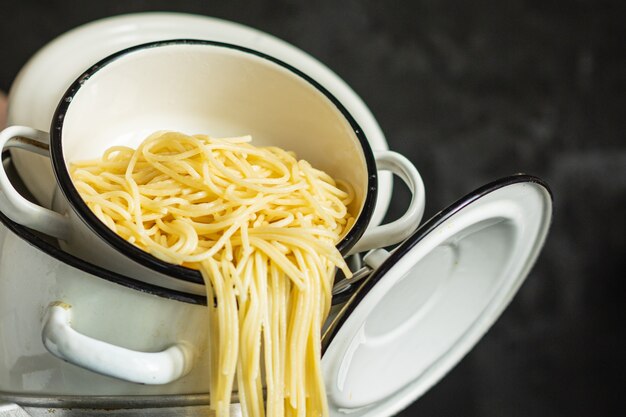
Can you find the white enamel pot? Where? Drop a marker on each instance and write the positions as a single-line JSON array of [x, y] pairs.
[[54, 305], [208, 87]]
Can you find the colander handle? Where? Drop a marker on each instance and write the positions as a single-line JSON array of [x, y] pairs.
[[12, 203], [152, 368], [400, 229]]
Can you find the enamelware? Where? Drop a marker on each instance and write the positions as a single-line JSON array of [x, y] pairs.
[[71, 330], [208, 87]]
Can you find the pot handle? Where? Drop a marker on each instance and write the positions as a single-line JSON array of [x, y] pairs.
[[400, 229], [12, 203], [152, 368]]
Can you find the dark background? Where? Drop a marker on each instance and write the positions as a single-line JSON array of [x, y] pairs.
[[470, 92]]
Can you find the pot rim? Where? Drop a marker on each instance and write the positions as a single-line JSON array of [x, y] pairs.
[[133, 252]]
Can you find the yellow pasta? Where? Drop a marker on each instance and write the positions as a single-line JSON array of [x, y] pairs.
[[261, 226]]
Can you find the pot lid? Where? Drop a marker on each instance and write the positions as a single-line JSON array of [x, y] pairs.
[[427, 303]]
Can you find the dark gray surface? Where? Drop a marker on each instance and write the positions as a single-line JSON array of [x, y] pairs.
[[473, 91]]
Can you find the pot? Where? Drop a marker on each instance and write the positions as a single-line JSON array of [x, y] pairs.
[[199, 86], [36, 275]]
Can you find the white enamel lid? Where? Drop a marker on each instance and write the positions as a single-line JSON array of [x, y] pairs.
[[429, 302]]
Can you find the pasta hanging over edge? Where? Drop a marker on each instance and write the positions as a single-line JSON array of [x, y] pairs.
[[261, 226]]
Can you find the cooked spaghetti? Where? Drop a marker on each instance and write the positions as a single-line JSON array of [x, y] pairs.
[[261, 226]]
